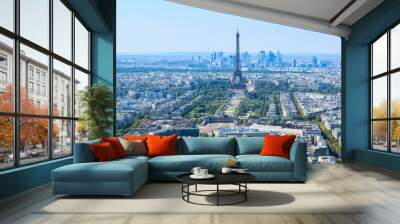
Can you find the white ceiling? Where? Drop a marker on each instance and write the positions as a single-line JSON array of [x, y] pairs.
[[316, 15], [319, 9]]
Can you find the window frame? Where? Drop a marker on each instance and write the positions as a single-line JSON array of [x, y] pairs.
[[388, 74], [16, 114]]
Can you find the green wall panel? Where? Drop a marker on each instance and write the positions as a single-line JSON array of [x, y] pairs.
[[356, 85]]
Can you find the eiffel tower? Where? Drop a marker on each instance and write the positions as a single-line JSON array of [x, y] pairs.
[[238, 82]]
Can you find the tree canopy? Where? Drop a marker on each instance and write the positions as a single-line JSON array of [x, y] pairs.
[[33, 131]]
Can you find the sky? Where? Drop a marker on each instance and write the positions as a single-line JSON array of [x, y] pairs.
[[162, 26]]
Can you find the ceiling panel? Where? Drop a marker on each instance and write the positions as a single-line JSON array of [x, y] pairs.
[[319, 9], [315, 15]]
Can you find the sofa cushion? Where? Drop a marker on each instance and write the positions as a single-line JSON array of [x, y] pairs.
[[277, 145], [208, 145], [116, 145], [83, 152], [257, 163], [185, 163], [249, 145], [161, 145], [134, 147], [103, 152], [112, 171]]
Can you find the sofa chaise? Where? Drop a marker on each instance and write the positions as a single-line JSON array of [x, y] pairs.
[[125, 176]]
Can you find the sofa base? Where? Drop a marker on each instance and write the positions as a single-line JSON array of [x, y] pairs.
[[100, 179], [85, 188]]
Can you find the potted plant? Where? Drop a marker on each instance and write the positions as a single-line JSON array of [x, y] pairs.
[[97, 103]]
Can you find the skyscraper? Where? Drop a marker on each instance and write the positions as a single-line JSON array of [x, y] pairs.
[[213, 56], [294, 62], [314, 61], [245, 58], [220, 58], [271, 59], [220, 55], [262, 59], [278, 59], [237, 81]]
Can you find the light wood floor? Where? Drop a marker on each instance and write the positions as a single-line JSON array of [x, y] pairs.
[[378, 189]]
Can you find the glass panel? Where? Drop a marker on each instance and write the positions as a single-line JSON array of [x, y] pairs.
[[379, 97], [395, 94], [62, 29], [395, 47], [7, 14], [62, 138], [379, 56], [6, 142], [6, 74], [62, 89], [35, 21], [33, 139], [34, 97], [81, 45], [81, 131], [379, 135], [81, 81], [395, 138]]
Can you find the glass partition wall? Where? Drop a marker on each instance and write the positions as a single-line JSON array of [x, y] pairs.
[[44, 64], [385, 91]]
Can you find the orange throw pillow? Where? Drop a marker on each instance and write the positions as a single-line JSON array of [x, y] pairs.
[[103, 152], [277, 145], [161, 145], [116, 145], [135, 137]]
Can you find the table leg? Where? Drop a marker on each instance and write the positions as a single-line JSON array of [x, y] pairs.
[[245, 193], [188, 190], [217, 194], [182, 190], [195, 188]]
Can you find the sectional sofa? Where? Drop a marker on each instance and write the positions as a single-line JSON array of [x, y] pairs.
[[125, 176]]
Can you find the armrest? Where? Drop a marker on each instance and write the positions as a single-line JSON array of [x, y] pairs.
[[298, 156], [83, 152]]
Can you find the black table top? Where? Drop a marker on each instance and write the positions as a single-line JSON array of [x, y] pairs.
[[220, 178]]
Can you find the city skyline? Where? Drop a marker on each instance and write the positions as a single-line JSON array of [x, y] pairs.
[[197, 30], [249, 60], [216, 56]]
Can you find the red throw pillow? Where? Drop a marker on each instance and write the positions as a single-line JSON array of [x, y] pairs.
[[116, 145], [103, 152], [135, 137], [161, 145], [277, 145]]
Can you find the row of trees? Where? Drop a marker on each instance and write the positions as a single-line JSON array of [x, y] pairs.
[[258, 107], [257, 101], [211, 98]]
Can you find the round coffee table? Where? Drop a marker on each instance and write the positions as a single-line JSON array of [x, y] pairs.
[[238, 179]]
